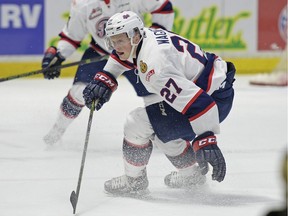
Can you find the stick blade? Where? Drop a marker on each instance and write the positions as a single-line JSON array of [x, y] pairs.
[[73, 200]]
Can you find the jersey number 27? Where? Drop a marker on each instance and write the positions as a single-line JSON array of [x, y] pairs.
[[171, 84]]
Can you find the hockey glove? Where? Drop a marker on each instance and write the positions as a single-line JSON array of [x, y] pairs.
[[100, 88], [52, 58], [207, 151]]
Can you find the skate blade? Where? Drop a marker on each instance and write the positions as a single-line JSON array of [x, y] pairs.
[[143, 194]]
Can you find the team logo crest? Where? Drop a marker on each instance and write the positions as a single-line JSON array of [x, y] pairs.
[[126, 16], [100, 27], [143, 66]]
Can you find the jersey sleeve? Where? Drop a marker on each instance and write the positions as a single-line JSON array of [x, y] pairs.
[[75, 29]]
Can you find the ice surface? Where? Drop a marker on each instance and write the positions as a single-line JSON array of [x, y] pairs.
[[35, 181]]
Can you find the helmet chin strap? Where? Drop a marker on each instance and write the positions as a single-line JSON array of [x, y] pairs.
[[132, 51], [133, 48]]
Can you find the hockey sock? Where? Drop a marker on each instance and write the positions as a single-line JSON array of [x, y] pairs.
[[185, 159], [136, 157], [70, 108]]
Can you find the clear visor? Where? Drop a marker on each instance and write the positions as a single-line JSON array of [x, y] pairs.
[[110, 45]]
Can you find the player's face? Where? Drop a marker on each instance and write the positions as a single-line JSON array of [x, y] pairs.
[[122, 44]]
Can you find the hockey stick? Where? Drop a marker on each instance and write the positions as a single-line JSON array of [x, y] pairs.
[[85, 61], [74, 195]]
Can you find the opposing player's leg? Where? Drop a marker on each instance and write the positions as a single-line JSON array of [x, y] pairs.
[[73, 102], [137, 148]]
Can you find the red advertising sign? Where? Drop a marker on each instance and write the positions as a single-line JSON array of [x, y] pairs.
[[272, 24]]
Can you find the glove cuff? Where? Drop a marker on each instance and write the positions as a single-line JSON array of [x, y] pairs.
[[205, 139], [52, 50], [107, 79]]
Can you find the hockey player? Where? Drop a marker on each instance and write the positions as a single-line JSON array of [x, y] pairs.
[[193, 92], [90, 17]]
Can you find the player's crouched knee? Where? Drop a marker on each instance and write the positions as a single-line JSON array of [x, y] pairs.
[[137, 128]]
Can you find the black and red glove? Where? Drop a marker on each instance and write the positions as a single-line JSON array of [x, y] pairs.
[[207, 151], [100, 88], [52, 58]]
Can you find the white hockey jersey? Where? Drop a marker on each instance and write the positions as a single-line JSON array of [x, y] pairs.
[[180, 73], [90, 17]]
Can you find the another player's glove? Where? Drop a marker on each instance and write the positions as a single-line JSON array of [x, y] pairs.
[[100, 88], [207, 151], [52, 58]]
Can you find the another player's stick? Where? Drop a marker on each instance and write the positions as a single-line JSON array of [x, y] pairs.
[[85, 61], [75, 195]]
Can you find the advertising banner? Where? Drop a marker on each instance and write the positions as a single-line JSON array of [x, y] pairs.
[[27, 27], [272, 26], [243, 31], [218, 24], [21, 27]]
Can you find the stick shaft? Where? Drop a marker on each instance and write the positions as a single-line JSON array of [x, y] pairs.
[[85, 61], [83, 158]]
